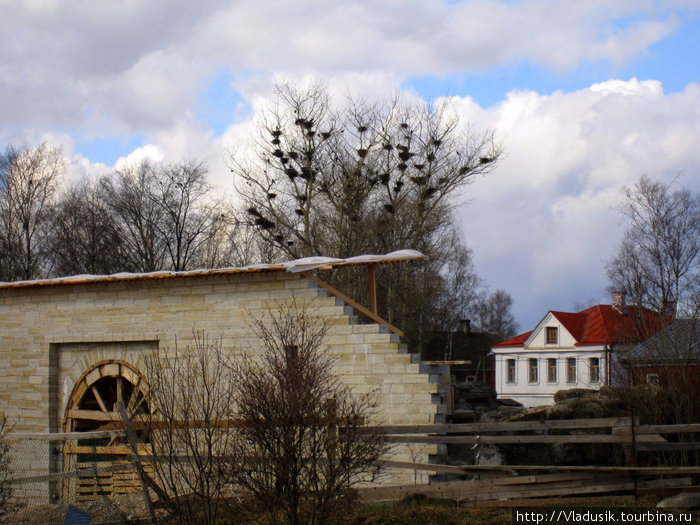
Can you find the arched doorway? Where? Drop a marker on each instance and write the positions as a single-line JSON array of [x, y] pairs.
[[93, 407]]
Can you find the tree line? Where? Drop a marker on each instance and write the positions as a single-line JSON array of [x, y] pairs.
[[322, 179]]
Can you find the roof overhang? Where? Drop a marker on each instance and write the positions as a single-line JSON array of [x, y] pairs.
[[294, 266]]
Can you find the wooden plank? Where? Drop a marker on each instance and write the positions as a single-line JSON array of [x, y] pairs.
[[118, 450], [63, 436], [666, 429], [372, 284], [97, 415], [445, 469], [467, 490], [523, 439], [648, 447], [483, 491], [665, 483], [475, 469], [560, 501], [509, 426], [646, 471]]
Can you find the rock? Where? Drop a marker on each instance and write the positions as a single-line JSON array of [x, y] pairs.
[[684, 500], [573, 393], [559, 412], [509, 403]]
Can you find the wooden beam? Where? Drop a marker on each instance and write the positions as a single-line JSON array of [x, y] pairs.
[[514, 440], [97, 415], [99, 399], [357, 306], [372, 280], [507, 426]]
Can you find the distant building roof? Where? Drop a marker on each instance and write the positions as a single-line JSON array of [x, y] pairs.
[[679, 341], [458, 346], [602, 325]]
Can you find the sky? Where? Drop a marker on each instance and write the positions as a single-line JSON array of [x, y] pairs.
[[585, 97]]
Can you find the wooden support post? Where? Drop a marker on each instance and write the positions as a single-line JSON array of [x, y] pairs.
[[371, 270], [131, 438]]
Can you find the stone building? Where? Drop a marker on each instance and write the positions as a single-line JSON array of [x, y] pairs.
[[62, 341]]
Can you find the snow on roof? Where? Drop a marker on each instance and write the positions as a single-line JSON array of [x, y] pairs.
[[295, 266]]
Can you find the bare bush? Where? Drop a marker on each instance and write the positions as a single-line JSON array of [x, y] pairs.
[[193, 440], [305, 435]]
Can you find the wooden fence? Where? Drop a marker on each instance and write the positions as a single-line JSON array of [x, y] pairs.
[[499, 483], [522, 484]]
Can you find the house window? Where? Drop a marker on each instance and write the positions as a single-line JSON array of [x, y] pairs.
[[595, 369], [511, 371], [532, 370], [571, 370], [552, 335], [551, 370], [652, 379]]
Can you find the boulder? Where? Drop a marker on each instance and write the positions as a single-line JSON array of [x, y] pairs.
[[574, 393]]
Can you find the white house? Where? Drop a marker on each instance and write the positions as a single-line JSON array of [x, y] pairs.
[[569, 350]]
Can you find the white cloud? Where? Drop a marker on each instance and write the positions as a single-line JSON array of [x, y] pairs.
[[139, 66], [149, 152], [544, 224]]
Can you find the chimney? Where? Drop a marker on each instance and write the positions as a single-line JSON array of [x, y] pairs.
[[465, 326], [618, 301]]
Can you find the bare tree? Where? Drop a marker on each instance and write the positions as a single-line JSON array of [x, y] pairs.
[[305, 435], [192, 218], [492, 313], [363, 178], [322, 175], [84, 235], [130, 196], [29, 177], [657, 262], [193, 440], [167, 216]]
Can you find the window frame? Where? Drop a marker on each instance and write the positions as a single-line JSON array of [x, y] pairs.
[[552, 370], [594, 364], [551, 335], [571, 365], [533, 369], [511, 366]]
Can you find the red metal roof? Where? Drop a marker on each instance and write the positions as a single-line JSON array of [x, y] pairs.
[[518, 340], [603, 325]]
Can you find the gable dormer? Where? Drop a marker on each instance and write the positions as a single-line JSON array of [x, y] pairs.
[[551, 332]]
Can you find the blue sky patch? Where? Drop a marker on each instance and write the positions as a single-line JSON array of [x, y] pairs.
[[220, 105], [107, 150]]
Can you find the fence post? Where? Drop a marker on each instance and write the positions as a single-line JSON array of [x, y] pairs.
[[634, 453], [131, 438]]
